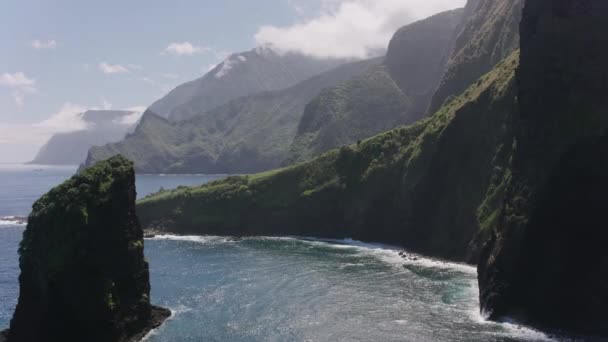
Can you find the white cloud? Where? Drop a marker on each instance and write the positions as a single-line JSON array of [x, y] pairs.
[[67, 119], [26, 138], [209, 67], [134, 117], [229, 64], [106, 105], [148, 80], [350, 28], [19, 99], [185, 49], [170, 76], [112, 68], [20, 83], [17, 80], [43, 45], [135, 67]]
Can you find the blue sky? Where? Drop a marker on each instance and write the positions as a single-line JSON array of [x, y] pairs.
[[64, 56]]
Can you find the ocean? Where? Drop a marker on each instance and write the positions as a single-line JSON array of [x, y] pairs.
[[276, 289]]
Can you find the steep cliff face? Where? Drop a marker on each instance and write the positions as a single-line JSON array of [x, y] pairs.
[[354, 110], [83, 272], [417, 56], [249, 134], [386, 96], [418, 186], [240, 74], [546, 262], [487, 35]]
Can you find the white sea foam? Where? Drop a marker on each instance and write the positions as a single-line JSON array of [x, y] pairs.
[[386, 253], [11, 221], [390, 254], [513, 329], [208, 239]]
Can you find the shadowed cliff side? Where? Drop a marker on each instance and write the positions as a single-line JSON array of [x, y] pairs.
[[487, 35], [83, 272], [547, 263]]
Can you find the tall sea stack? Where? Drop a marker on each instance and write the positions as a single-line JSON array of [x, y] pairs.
[[83, 272], [547, 262]]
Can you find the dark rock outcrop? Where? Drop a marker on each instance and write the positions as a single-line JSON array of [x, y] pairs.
[[486, 36], [83, 272], [546, 263]]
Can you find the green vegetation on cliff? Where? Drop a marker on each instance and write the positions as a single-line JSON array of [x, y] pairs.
[[386, 96], [488, 34], [392, 187], [546, 261], [83, 272], [354, 110], [270, 129], [249, 134]]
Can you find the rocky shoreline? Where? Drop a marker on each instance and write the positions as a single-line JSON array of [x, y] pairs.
[[157, 318]]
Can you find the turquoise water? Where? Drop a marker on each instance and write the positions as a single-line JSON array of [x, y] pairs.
[[277, 289]]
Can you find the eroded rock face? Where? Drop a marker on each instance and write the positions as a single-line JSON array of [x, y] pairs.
[[487, 35], [83, 272], [547, 262]]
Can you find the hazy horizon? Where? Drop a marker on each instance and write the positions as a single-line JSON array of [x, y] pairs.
[[70, 57]]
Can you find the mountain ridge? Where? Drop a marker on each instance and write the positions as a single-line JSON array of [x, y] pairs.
[[248, 134], [239, 75]]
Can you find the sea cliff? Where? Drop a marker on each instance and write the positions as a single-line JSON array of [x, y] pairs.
[[83, 272], [546, 261]]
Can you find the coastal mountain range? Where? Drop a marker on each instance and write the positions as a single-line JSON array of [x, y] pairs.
[[508, 175], [489, 147], [266, 130], [262, 69], [243, 116]]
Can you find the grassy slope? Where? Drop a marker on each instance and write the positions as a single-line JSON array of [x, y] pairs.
[[354, 110], [392, 187]]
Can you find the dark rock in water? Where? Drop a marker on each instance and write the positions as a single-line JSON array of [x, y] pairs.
[[546, 263], [83, 272]]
